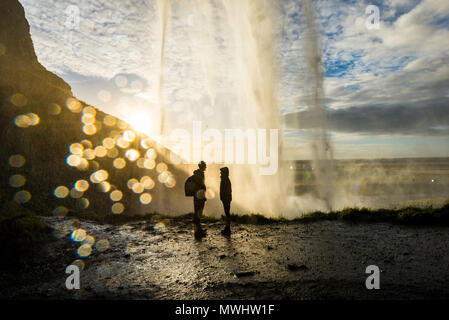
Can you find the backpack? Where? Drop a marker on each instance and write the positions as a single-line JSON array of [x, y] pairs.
[[190, 187]]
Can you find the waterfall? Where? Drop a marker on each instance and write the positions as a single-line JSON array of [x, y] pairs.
[[319, 139]]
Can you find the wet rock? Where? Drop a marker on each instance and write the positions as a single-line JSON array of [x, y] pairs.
[[295, 267]]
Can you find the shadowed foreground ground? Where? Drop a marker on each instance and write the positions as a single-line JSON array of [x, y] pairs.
[[318, 260]]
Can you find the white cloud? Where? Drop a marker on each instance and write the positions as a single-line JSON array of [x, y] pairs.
[[405, 61]]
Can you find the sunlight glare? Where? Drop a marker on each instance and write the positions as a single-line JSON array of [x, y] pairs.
[[140, 122]]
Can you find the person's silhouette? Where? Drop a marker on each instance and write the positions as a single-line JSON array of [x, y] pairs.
[[199, 200], [226, 198]]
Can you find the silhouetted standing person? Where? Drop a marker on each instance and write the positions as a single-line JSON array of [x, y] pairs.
[[226, 198], [199, 199]]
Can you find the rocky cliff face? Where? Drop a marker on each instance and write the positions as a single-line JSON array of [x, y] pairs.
[[17, 40], [18, 62], [42, 124]]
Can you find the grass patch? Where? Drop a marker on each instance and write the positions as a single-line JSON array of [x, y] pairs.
[[20, 231], [408, 215], [117, 219], [255, 219]]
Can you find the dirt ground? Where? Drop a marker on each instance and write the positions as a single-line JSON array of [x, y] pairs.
[[160, 259]]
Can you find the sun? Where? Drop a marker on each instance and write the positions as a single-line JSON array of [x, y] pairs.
[[140, 122]]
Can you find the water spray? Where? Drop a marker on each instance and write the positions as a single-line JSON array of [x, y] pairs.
[[319, 139], [164, 7]]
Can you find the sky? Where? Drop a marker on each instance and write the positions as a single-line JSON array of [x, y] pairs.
[[387, 89]]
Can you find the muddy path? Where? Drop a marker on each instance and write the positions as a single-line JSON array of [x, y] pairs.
[[159, 259]]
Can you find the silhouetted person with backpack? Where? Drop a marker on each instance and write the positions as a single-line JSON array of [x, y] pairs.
[[196, 187], [226, 198]]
